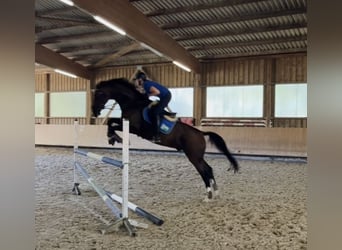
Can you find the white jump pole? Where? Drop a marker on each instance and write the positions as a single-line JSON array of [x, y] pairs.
[[138, 210], [117, 213], [123, 214], [76, 190], [125, 161], [124, 165]]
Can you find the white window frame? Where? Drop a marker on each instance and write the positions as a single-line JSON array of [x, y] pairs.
[[290, 100], [39, 107], [68, 105], [235, 101]]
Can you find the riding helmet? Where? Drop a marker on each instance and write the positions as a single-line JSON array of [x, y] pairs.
[[140, 75]]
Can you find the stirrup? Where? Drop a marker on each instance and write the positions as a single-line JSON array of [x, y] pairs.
[[155, 139]]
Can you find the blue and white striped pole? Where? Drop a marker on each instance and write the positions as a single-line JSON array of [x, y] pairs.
[[99, 190], [139, 211], [104, 159]]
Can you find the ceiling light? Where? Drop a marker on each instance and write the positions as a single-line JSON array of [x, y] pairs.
[[152, 49], [65, 73], [181, 66], [68, 2], [110, 25]]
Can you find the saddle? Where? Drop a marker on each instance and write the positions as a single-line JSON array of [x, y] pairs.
[[166, 114], [167, 121]]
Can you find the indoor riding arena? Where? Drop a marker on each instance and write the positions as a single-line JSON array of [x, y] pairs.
[[237, 74]]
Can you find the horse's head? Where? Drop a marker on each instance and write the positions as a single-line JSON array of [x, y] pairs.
[[120, 90], [99, 100]]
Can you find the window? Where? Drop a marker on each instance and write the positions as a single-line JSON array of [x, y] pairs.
[[291, 100], [68, 104], [182, 101], [39, 104], [235, 101]]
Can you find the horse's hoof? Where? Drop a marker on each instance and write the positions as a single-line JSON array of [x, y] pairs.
[[111, 141], [212, 191], [210, 195], [207, 199]]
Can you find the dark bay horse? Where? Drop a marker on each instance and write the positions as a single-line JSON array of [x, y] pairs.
[[183, 136]]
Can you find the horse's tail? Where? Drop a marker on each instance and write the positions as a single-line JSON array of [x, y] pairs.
[[220, 144]]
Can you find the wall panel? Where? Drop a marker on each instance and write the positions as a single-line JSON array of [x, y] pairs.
[[254, 141], [291, 68], [234, 72], [167, 74], [61, 83], [290, 122], [40, 82]]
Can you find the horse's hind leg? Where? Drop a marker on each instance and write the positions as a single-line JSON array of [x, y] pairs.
[[211, 187], [195, 152], [207, 175]]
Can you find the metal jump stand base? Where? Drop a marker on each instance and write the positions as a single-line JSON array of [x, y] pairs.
[[76, 190], [120, 223], [125, 223]]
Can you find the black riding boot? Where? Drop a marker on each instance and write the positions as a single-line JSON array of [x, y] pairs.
[[156, 125]]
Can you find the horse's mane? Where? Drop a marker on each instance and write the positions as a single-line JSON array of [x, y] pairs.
[[126, 88], [117, 81]]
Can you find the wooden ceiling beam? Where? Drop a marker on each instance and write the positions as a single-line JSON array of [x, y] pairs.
[[51, 59], [59, 11], [97, 56], [95, 46], [68, 21], [139, 27], [57, 39], [121, 52]]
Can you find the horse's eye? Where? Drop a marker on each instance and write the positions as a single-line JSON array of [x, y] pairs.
[[100, 94]]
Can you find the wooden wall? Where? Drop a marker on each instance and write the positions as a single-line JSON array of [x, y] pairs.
[[285, 136], [167, 74], [234, 72], [290, 142], [267, 71], [291, 69]]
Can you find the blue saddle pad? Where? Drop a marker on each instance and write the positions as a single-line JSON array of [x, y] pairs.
[[166, 125]]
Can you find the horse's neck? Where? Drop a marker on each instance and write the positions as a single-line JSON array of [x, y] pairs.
[[128, 100]]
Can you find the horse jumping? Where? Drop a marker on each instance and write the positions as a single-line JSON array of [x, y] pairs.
[[183, 137]]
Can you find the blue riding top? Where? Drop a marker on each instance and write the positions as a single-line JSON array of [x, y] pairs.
[[163, 90]]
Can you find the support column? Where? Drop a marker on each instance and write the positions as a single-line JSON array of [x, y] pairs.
[[47, 99], [269, 91], [90, 91], [199, 99]]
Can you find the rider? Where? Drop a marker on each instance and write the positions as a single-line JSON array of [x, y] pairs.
[[154, 89]]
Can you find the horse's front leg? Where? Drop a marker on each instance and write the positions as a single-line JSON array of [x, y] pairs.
[[114, 124]]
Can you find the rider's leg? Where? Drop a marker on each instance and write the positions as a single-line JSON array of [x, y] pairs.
[[155, 119], [157, 112]]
